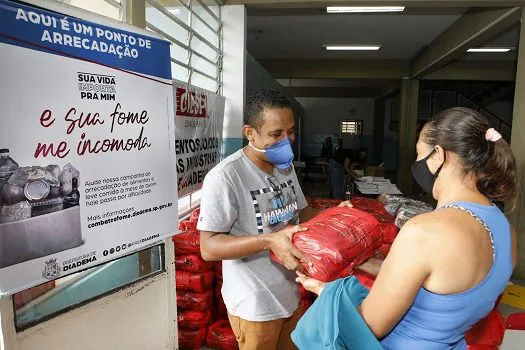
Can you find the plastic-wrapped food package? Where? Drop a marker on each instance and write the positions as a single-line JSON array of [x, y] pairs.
[[389, 232], [402, 218], [192, 263], [193, 319], [382, 252], [365, 279], [324, 203], [220, 308], [218, 270], [194, 301], [195, 282], [192, 339], [304, 304], [187, 243], [410, 210], [187, 225], [488, 331], [393, 203], [368, 204], [305, 295], [194, 216], [221, 336], [336, 240]]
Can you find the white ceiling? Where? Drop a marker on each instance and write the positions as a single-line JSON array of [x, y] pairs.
[[300, 35], [401, 36]]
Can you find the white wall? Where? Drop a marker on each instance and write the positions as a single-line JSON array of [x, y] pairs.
[[234, 75], [323, 117], [135, 318], [140, 317]]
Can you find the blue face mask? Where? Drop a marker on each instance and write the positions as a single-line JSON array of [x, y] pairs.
[[279, 154]]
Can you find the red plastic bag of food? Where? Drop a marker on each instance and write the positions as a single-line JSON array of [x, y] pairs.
[[220, 311], [305, 295], [194, 301], [516, 322], [195, 282], [221, 336], [382, 252], [192, 339], [488, 331], [218, 270], [187, 243], [324, 203], [193, 319], [336, 240], [366, 279], [482, 347], [368, 204], [389, 232], [192, 263], [374, 207], [187, 225], [194, 216], [304, 304]]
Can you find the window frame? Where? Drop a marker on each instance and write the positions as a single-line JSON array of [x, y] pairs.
[[358, 127]]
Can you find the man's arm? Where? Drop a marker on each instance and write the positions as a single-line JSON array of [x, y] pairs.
[[217, 246], [349, 168]]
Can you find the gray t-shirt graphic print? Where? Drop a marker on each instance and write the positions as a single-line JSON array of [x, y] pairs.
[[240, 199]]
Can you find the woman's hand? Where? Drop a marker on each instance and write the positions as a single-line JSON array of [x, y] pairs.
[[310, 284], [345, 204]]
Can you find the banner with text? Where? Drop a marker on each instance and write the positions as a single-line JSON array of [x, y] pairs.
[[87, 158], [199, 115]]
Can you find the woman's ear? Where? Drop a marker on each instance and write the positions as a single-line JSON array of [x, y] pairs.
[[438, 159]]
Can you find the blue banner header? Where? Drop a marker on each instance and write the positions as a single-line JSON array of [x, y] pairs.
[[51, 32]]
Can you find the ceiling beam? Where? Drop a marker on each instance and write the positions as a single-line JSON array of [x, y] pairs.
[[328, 68], [333, 92], [408, 3], [476, 70], [387, 69], [474, 28]]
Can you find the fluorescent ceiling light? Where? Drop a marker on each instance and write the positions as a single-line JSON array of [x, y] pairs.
[[360, 9], [490, 49], [351, 48]]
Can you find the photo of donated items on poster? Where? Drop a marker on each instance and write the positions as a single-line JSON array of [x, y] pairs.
[[39, 209]]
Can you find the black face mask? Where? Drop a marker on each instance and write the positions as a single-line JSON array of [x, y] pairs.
[[423, 176]]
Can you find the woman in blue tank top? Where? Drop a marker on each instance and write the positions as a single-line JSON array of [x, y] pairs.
[[447, 268]]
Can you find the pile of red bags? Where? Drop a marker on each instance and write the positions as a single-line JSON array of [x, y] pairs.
[[220, 334], [221, 337], [336, 241], [192, 339], [194, 280], [202, 315]]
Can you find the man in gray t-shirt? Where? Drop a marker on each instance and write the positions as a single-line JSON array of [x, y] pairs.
[[248, 203]]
